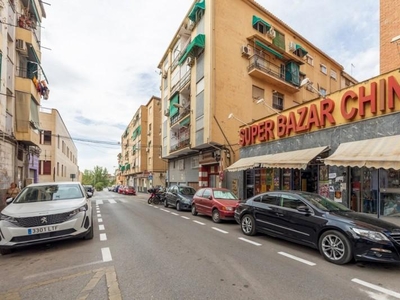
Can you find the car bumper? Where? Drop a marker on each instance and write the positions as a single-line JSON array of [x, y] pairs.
[[13, 236], [366, 250], [227, 215], [236, 216], [185, 206]]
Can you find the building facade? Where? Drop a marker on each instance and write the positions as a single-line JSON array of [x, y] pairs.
[[230, 63], [24, 85], [140, 163], [58, 159]]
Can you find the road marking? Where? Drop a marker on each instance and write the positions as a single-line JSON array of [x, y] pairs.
[[106, 253], [99, 215], [155, 206], [220, 230], [103, 237], [377, 288], [99, 202], [166, 210], [297, 258], [248, 241], [151, 205], [101, 227], [175, 214], [112, 201], [185, 217], [199, 222], [100, 220]]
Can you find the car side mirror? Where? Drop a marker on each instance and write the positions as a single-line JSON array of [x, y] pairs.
[[209, 197], [304, 209], [89, 194], [9, 200]]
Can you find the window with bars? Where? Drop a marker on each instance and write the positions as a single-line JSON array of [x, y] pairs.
[[46, 137], [277, 101]]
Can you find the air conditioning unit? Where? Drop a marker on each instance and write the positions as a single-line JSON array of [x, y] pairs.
[[292, 46], [190, 61], [166, 112], [271, 33], [20, 45], [246, 51]]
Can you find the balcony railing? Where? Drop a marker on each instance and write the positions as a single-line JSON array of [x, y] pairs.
[[181, 83], [257, 62], [181, 144], [183, 112]]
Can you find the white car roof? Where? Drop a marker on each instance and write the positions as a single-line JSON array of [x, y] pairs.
[[52, 183]]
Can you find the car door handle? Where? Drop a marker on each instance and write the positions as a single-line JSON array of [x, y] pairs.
[[279, 214]]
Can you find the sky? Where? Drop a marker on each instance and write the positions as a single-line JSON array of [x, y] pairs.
[[101, 59]]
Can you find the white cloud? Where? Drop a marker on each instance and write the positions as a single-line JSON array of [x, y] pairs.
[[103, 60]]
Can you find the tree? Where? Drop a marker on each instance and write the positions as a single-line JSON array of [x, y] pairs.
[[97, 178]]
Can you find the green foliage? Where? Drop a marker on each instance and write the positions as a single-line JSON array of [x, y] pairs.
[[98, 178], [99, 186]]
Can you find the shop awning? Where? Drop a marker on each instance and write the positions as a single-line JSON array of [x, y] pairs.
[[383, 152], [259, 20], [270, 50], [198, 42], [244, 164], [199, 5], [298, 159]]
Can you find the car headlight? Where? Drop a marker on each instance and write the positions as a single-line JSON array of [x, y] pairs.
[[78, 210], [372, 235], [4, 217], [228, 208]]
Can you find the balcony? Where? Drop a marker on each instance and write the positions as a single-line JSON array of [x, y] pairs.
[[181, 83], [24, 83], [27, 119], [183, 112], [29, 46], [271, 73]]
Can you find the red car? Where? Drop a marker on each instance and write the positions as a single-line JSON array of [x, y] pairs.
[[129, 190], [219, 203], [121, 189]]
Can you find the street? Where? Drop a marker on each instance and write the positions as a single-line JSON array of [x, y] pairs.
[[142, 251]]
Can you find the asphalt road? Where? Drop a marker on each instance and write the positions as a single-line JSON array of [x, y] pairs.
[[143, 251]]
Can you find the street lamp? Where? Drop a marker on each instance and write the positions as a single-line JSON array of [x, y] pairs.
[[307, 82], [267, 105], [230, 116]]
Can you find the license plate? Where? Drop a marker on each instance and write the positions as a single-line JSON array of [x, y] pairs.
[[42, 229]]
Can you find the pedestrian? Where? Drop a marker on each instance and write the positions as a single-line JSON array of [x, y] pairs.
[[12, 191]]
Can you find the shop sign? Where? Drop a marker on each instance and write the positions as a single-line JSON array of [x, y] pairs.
[[369, 99]]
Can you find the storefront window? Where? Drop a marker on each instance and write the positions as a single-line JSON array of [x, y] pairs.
[[286, 178], [389, 192]]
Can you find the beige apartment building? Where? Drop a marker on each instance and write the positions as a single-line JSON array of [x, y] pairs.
[[24, 86], [229, 64], [140, 163], [389, 35], [59, 155]]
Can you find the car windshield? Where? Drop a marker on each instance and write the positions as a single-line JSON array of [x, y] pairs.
[[49, 192], [187, 190], [226, 195], [324, 203]]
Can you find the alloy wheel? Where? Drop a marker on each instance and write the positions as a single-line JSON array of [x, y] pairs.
[[247, 225], [333, 247]]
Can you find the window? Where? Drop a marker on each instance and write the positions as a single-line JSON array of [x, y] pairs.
[[47, 137], [322, 91], [259, 26], [58, 169], [270, 199], [257, 93], [195, 162], [291, 202], [346, 82], [47, 167], [333, 74], [279, 40], [207, 193], [277, 101], [323, 69], [310, 60]]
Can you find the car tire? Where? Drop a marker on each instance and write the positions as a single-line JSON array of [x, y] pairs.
[[178, 206], [5, 251], [216, 216], [193, 210], [248, 225], [165, 203], [335, 247], [90, 233]]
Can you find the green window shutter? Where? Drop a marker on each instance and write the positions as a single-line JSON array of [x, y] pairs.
[[173, 110], [279, 40]]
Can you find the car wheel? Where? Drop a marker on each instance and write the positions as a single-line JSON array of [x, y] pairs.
[[5, 251], [248, 225], [216, 217], [90, 234], [165, 203], [194, 211], [150, 200], [335, 247], [178, 206]]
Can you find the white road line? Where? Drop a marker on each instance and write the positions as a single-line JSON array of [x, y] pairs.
[[377, 288], [297, 258], [155, 206], [166, 210], [185, 217], [99, 202], [101, 227], [151, 205], [103, 237], [199, 222], [220, 230], [175, 214], [248, 241], [106, 253], [99, 215], [112, 201], [100, 220]]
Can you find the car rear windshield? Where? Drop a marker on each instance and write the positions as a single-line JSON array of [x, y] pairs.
[[49, 193], [187, 190], [227, 195]]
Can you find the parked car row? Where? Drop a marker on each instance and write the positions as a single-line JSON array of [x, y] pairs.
[[340, 234], [123, 189]]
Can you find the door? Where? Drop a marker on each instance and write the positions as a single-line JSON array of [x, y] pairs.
[[207, 203], [266, 208]]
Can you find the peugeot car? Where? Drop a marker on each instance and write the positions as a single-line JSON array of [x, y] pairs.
[[339, 233], [45, 212]]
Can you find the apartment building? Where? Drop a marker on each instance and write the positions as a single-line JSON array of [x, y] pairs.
[[23, 86], [230, 64], [58, 159], [389, 35], [140, 163]]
